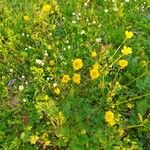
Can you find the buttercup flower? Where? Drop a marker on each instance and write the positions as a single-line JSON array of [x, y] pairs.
[[46, 8], [93, 54], [109, 118], [77, 64], [126, 50], [57, 90], [123, 63], [96, 66], [26, 18], [94, 73], [129, 34], [76, 78], [33, 139], [65, 78]]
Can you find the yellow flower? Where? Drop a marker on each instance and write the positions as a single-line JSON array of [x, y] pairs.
[[46, 8], [57, 90], [26, 18], [51, 62], [96, 66], [129, 34], [83, 131], [123, 63], [94, 73], [65, 78], [130, 105], [126, 50], [33, 139], [77, 64], [109, 118], [93, 54], [76, 78]]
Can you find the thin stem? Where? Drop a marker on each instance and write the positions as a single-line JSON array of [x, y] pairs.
[[132, 99], [135, 79], [135, 126], [118, 48]]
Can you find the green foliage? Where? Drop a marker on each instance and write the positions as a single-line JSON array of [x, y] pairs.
[[43, 105]]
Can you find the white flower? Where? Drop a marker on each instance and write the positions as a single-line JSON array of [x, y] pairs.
[[24, 100], [98, 40], [23, 77], [29, 47], [23, 34], [39, 61], [55, 85], [127, 1], [94, 22], [26, 83], [73, 13], [48, 78], [106, 10], [11, 70], [21, 87]]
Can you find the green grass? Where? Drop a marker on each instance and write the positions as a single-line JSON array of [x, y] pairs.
[[38, 116]]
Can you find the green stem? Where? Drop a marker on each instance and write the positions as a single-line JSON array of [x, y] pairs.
[[118, 49], [135, 79], [132, 99]]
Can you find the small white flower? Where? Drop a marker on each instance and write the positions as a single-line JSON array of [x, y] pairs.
[[115, 9], [106, 10], [26, 83], [113, 1], [39, 61], [29, 47], [82, 32], [94, 22], [55, 85], [21, 87], [73, 13], [27, 35], [79, 14], [85, 4], [48, 78], [78, 18], [23, 77], [11, 70], [24, 100], [98, 40], [45, 54], [127, 1], [64, 49], [67, 41], [23, 34], [87, 20], [26, 49]]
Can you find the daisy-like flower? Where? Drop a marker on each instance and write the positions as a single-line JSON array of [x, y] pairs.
[[96, 66], [76, 78], [77, 64], [109, 118], [46, 8], [129, 34], [33, 139], [94, 73], [123, 63], [65, 79], [26, 18], [126, 50]]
